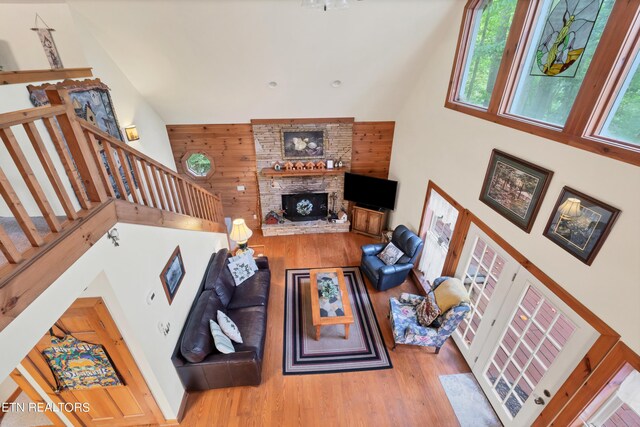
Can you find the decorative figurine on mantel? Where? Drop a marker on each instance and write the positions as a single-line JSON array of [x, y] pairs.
[[310, 166], [277, 166], [321, 165], [299, 166], [288, 166]]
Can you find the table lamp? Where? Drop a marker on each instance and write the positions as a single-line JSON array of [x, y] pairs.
[[240, 234]]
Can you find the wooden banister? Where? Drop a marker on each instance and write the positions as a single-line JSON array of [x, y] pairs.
[[144, 181]]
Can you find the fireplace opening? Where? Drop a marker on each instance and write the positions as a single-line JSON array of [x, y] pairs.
[[305, 206]]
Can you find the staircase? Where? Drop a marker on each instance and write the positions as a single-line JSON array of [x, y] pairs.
[[85, 181]]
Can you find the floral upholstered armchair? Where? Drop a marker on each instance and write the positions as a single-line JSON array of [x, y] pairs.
[[407, 330]]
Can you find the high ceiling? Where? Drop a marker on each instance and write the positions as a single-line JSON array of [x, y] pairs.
[[210, 61]]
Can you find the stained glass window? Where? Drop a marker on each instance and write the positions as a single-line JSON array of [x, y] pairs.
[[623, 121], [492, 21], [558, 58]]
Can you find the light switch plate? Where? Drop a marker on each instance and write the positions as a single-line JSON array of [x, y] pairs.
[[240, 187]]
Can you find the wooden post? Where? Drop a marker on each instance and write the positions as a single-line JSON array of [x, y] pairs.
[[78, 146]]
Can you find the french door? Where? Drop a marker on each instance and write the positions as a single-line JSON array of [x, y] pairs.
[[520, 339], [487, 272]]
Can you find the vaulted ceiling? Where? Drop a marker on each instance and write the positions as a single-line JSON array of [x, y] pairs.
[[210, 61]]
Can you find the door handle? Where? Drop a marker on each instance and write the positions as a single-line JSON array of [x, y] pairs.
[[538, 401]]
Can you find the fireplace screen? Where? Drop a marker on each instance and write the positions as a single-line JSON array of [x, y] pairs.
[[305, 206]]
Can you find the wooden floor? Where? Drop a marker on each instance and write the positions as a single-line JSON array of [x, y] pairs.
[[410, 394]]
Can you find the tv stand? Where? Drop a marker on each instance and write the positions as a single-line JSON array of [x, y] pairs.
[[369, 222]]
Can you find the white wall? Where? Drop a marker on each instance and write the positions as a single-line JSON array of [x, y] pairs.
[[77, 48], [124, 276], [453, 150]]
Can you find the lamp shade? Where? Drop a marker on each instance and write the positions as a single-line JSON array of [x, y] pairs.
[[570, 208], [240, 232]]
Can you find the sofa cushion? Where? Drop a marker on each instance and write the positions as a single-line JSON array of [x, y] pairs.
[[427, 310], [252, 323], [228, 327], [197, 341], [390, 254], [242, 270], [216, 279], [254, 292]]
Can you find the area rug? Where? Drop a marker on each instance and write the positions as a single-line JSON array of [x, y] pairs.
[[468, 401], [363, 351]]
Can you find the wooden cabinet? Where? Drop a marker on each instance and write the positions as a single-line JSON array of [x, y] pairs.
[[367, 221]]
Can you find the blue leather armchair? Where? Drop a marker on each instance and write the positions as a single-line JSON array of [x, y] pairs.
[[384, 276]]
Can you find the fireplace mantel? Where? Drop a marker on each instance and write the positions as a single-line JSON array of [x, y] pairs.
[[270, 172]]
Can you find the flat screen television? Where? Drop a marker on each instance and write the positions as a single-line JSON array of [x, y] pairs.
[[370, 192]]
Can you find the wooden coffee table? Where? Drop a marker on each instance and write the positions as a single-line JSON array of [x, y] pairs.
[[334, 311]]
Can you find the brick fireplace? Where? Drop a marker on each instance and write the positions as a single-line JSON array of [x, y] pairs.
[[268, 141]]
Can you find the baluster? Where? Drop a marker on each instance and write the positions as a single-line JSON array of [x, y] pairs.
[[50, 170], [61, 149], [8, 248], [154, 202], [115, 170], [18, 211], [165, 187], [188, 207], [124, 161], [143, 185], [157, 176], [97, 157], [30, 179]]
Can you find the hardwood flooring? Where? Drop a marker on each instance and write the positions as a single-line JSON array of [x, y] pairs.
[[410, 394]]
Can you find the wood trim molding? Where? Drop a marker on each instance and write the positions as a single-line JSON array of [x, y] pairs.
[[32, 76], [619, 356], [137, 214], [303, 121], [610, 60]]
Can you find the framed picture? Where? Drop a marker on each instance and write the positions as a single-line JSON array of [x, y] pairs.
[[580, 224], [515, 188], [91, 101], [172, 274], [303, 144]]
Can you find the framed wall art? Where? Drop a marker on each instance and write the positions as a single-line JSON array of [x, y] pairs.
[[303, 144], [515, 188], [172, 274], [580, 224]]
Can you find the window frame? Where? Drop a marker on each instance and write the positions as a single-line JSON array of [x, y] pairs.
[[608, 69]]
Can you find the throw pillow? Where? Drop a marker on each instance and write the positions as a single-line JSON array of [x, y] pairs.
[[229, 328], [427, 310], [222, 342], [241, 270], [391, 254], [248, 256], [450, 293]]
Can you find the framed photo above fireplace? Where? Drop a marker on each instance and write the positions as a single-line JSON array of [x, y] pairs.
[[303, 144]]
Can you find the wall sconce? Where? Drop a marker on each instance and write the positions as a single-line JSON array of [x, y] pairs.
[[132, 133], [114, 236]]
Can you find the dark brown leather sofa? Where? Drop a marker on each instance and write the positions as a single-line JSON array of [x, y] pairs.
[[199, 365]]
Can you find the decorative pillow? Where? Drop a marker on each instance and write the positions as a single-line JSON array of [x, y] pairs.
[[223, 343], [241, 270], [247, 256], [229, 328], [427, 311], [450, 293], [391, 254]]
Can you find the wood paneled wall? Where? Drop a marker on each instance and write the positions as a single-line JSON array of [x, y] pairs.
[[232, 148], [234, 155], [371, 150]]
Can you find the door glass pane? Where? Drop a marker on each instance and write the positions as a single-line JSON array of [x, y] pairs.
[[623, 124], [480, 278], [566, 36], [527, 350], [491, 24]]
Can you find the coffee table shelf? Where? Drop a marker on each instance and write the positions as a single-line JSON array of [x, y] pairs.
[[336, 311]]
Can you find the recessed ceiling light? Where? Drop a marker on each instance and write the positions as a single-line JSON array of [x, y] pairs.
[[273, 84], [336, 83]]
